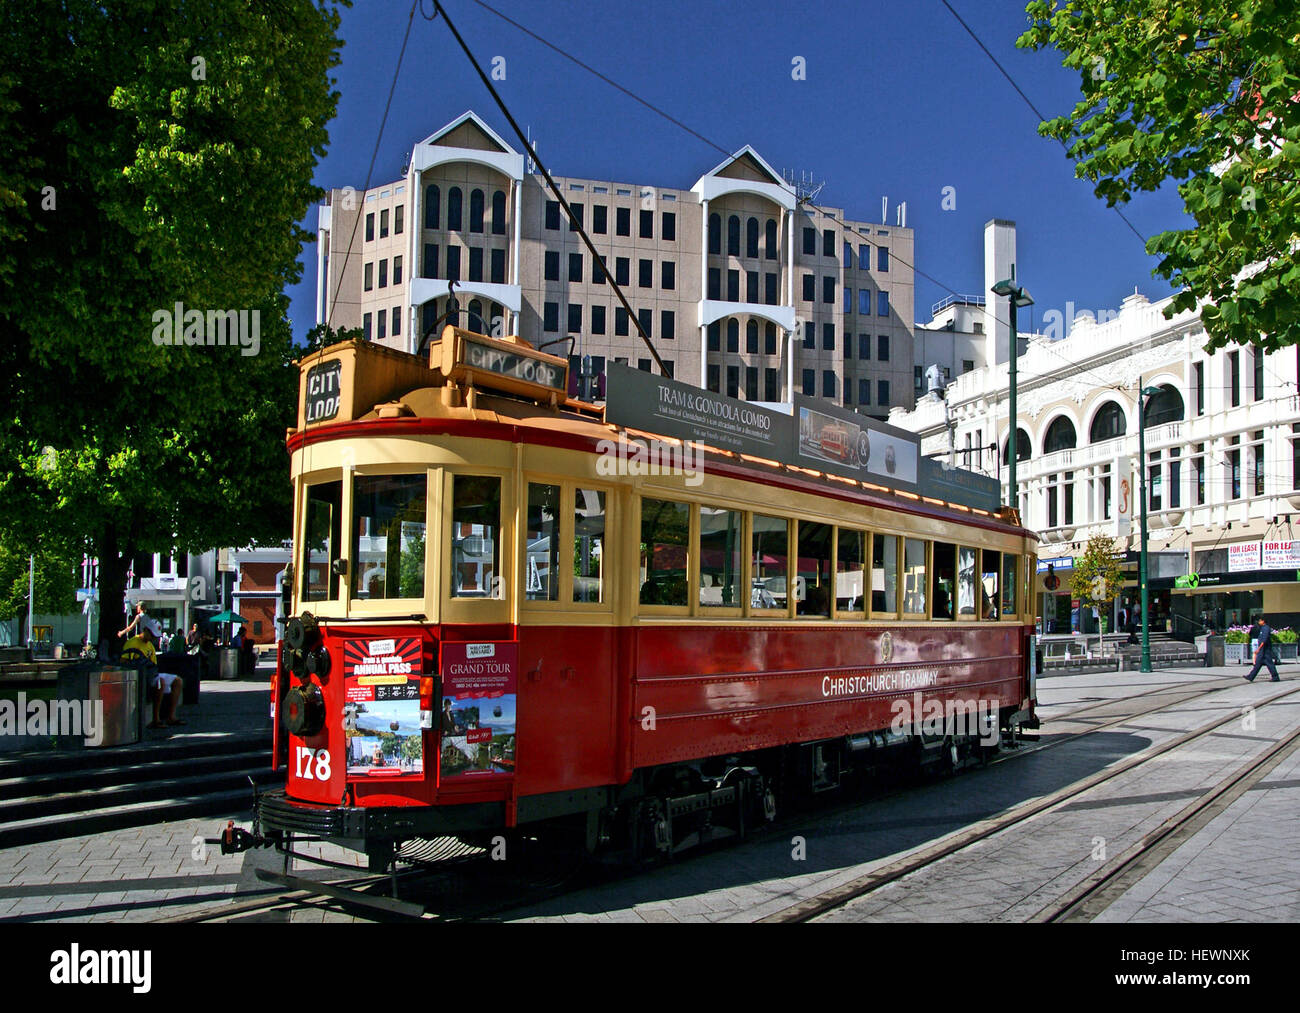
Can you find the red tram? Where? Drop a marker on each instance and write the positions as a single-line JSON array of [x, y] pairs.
[[510, 612]]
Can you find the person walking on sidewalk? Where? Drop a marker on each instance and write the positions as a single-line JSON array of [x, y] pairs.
[[1263, 653]]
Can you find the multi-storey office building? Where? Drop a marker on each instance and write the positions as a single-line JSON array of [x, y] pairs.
[[742, 287], [1222, 470]]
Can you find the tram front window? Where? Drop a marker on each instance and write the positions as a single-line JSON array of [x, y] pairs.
[[665, 541], [721, 556], [850, 564], [589, 545], [989, 575], [914, 575], [542, 543], [815, 568], [966, 581], [476, 537], [320, 541], [884, 575], [388, 532], [1009, 563], [769, 550]]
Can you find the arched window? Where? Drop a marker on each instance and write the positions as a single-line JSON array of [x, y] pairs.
[[751, 238], [499, 213], [715, 234], [769, 339], [432, 207], [733, 236], [476, 210], [1060, 436], [496, 321], [751, 337], [770, 251], [453, 209], [733, 335], [1022, 447], [1167, 406], [1108, 423], [476, 322], [428, 316]]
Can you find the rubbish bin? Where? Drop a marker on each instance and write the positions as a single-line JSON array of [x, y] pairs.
[[1214, 651], [117, 690], [229, 661]]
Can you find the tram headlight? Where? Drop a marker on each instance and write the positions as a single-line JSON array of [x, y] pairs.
[[304, 711], [317, 662]]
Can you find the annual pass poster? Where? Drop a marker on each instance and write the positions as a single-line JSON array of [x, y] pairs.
[[381, 710], [479, 687]]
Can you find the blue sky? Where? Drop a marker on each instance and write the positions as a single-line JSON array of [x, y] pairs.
[[898, 101]]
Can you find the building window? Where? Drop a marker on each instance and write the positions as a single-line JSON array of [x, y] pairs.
[[809, 334], [397, 270], [621, 323], [1259, 374], [399, 219], [498, 213], [643, 365], [575, 318], [770, 288], [714, 283], [381, 321], [453, 209], [1175, 479], [882, 347], [751, 383], [810, 242], [733, 236], [882, 304], [1234, 377], [751, 286], [828, 243], [769, 384], [882, 393], [714, 373], [365, 326], [383, 274], [668, 276], [643, 317], [1198, 472], [733, 335], [864, 257], [383, 224], [864, 347], [864, 392], [1234, 469], [828, 290], [1295, 455], [397, 321], [453, 263], [369, 281], [645, 274], [769, 245], [670, 227], [370, 227], [622, 221], [623, 270], [600, 219], [828, 383], [575, 267], [809, 381], [551, 265], [848, 300], [751, 238], [733, 286], [751, 337], [1257, 460], [714, 336], [715, 234], [733, 381], [1198, 386], [809, 288], [430, 260], [551, 316], [476, 210], [498, 267], [828, 337], [769, 339], [667, 324], [882, 258], [475, 264], [598, 320], [553, 215], [575, 220], [432, 207], [967, 365], [917, 379]]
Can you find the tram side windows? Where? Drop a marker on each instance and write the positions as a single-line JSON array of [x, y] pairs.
[[966, 607], [943, 580], [850, 573], [769, 551], [722, 534], [665, 548], [542, 544], [884, 576], [814, 565], [990, 572], [914, 589], [388, 536], [323, 510], [589, 545], [1009, 583], [476, 537]]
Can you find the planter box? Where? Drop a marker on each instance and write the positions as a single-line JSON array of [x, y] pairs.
[[1286, 652], [1235, 654]]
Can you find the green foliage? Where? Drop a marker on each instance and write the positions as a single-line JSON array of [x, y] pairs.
[[323, 335], [412, 747], [1097, 570], [156, 154], [1236, 635], [1202, 93], [56, 589], [1286, 635]]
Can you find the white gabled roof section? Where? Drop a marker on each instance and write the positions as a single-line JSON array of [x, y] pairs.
[[769, 184], [493, 151]]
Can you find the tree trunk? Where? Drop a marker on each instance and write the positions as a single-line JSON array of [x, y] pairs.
[[112, 589]]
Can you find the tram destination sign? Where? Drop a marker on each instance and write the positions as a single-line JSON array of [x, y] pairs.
[[324, 383], [514, 364], [819, 435]]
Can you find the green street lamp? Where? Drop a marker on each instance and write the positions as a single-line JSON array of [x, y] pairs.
[[1019, 297], [1143, 394]]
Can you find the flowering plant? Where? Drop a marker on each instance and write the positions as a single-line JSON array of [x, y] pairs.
[[1237, 635], [1286, 635]]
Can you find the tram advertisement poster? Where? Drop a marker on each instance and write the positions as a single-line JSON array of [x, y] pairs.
[[479, 690], [848, 444], [381, 710]]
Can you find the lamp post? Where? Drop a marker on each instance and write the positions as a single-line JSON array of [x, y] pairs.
[[1019, 297], [1143, 394]]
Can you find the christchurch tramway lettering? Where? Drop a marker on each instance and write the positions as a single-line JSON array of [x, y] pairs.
[[879, 682]]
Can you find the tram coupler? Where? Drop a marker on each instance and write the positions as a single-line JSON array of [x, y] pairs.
[[235, 840]]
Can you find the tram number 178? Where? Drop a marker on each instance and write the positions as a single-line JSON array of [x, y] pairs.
[[312, 764]]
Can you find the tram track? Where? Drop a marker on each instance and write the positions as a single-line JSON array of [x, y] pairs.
[[1104, 884], [469, 875]]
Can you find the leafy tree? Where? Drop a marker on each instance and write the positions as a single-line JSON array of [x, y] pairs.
[[55, 584], [323, 335], [1202, 92], [1097, 576], [156, 154]]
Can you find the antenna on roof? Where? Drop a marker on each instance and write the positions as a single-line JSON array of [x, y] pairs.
[[532, 145], [806, 187], [884, 210]]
